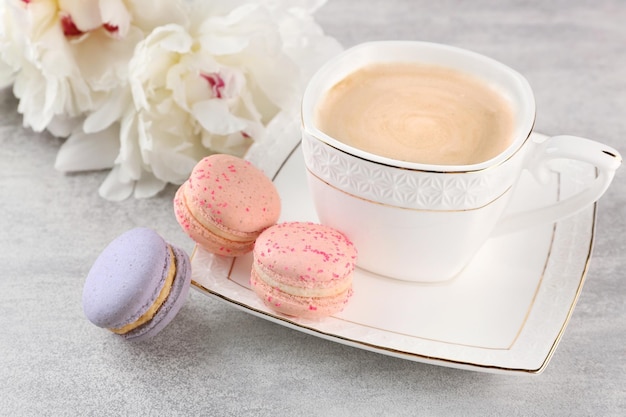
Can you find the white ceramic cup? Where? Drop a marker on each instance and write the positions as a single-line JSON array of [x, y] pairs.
[[420, 222]]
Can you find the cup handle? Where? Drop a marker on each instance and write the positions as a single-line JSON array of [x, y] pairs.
[[603, 157]]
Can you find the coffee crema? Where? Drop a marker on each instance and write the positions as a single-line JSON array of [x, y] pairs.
[[417, 113]]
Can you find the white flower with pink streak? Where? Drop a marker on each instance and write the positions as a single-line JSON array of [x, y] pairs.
[[212, 86], [68, 56], [147, 88]]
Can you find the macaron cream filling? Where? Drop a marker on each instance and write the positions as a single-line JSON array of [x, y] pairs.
[[301, 291], [158, 302]]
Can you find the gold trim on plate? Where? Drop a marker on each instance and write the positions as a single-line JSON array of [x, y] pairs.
[[407, 354]]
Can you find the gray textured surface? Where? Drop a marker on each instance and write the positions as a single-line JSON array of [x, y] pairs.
[[215, 360]]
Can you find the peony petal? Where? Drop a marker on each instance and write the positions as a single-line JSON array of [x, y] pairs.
[[103, 61], [237, 15], [282, 86], [7, 74], [30, 89], [62, 126], [170, 165], [280, 138], [152, 60], [86, 152], [223, 44], [148, 185], [115, 14], [85, 13], [233, 144], [114, 189], [173, 38], [215, 117], [232, 33], [129, 158], [150, 14], [109, 111], [186, 82]]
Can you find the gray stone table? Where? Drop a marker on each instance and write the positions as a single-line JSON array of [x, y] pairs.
[[216, 360]]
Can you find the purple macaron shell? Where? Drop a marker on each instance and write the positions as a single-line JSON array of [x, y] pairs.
[[127, 278], [173, 303]]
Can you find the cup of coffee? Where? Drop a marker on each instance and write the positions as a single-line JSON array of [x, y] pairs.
[[413, 150]]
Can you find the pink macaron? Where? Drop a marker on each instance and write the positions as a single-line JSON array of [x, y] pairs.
[[225, 204], [303, 269]]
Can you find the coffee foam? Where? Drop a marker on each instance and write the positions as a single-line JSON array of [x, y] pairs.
[[417, 113]]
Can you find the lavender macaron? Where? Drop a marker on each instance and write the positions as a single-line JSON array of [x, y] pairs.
[[137, 285]]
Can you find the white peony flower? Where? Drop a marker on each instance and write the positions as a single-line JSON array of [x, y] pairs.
[[147, 88], [212, 86], [67, 56]]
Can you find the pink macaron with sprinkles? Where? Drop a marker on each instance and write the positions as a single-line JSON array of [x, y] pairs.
[[225, 204], [303, 269], [137, 285]]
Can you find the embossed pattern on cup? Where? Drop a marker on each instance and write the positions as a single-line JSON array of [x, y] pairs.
[[400, 187]]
